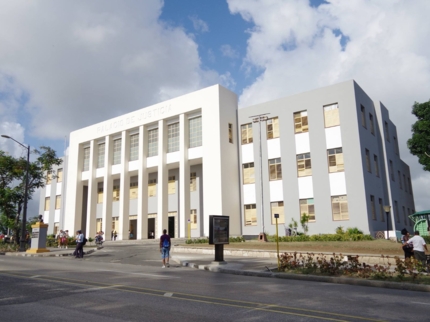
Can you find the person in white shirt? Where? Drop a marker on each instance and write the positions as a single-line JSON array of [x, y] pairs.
[[420, 248]]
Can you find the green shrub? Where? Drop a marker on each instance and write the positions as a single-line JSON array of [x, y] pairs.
[[320, 238], [354, 231], [205, 240]]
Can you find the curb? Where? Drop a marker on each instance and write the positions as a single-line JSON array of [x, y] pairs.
[[311, 278], [48, 254]]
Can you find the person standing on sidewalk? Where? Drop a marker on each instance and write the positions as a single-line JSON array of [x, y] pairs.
[[165, 248], [79, 252], [419, 248]]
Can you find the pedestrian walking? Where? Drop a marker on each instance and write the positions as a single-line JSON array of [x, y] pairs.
[[165, 248], [419, 248], [79, 251], [407, 247]]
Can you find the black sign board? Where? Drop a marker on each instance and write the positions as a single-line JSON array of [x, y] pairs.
[[219, 230]]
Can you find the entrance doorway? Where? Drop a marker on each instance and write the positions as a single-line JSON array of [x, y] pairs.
[[151, 228], [133, 225], [171, 231]]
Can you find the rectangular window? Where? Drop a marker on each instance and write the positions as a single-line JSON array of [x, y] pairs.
[[152, 187], [301, 122], [375, 163], [404, 181], [60, 175], [230, 133], [195, 132], [400, 180], [100, 195], [368, 165], [304, 167], [152, 142], [387, 132], [133, 190], [396, 211], [117, 151], [171, 185], [173, 137], [307, 206], [410, 185], [392, 171], [86, 159], [372, 125], [48, 178], [273, 128], [246, 130], [275, 169], [115, 224], [101, 156], [134, 147], [381, 210], [331, 115], [251, 215], [47, 203], [339, 205], [396, 145], [56, 228], [404, 215], [193, 218], [277, 208], [115, 193], [193, 181], [335, 160], [363, 116], [248, 173], [372, 204], [58, 202]]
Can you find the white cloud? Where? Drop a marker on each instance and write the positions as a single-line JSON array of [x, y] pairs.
[[83, 62], [228, 51], [294, 48], [199, 25], [15, 131]]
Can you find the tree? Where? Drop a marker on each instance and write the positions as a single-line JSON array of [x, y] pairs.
[[304, 220], [12, 183], [420, 141]]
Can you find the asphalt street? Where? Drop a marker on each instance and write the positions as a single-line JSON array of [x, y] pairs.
[[126, 283]]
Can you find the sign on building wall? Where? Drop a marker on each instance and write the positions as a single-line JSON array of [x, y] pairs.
[[219, 230]]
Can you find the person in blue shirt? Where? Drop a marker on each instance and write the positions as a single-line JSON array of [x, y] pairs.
[[79, 251], [165, 248]]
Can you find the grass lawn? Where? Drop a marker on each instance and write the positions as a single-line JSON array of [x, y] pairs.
[[377, 247]]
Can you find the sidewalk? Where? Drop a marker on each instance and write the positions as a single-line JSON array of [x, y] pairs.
[[53, 252]]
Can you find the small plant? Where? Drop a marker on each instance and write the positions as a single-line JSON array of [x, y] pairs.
[[340, 230], [304, 220], [354, 231]]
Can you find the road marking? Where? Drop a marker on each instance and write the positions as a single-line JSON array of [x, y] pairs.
[[142, 274], [292, 311], [35, 276], [95, 289], [168, 294], [10, 298], [421, 303]]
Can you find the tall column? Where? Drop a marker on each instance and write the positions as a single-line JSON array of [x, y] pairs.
[[107, 187], [184, 176], [92, 192], [142, 187], [162, 181], [124, 188]]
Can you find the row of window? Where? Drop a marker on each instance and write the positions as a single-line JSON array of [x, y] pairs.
[[307, 206], [304, 166], [396, 211], [406, 184], [152, 188], [59, 176], [57, 203], [301, 125], [194, 140]]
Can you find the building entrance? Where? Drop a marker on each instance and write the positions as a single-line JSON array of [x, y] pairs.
[[151, 228], [132, 232], [171, 231]]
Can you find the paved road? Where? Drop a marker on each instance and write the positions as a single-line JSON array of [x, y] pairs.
[[127, 283]]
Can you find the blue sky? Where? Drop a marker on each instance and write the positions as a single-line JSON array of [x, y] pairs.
[[65, 65]]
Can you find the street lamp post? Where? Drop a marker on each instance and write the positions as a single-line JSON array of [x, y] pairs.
[[258, 119], [22, 247], [387, 209]]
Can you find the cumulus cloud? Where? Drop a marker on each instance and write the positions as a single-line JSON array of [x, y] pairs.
[[228, 51], [294, 47], [83, 62], [199, 25]]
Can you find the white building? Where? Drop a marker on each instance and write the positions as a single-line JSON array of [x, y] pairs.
[[331, 153]]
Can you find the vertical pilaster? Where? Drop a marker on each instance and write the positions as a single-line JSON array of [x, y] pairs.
[[92, 192], [184, 176], [107, 187], [162, 199], [124, 188], [142, 201]]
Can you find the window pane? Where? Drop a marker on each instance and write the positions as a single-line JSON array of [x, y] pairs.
[[195, 132]]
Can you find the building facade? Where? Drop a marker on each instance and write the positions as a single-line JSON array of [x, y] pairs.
[[331, 154]]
